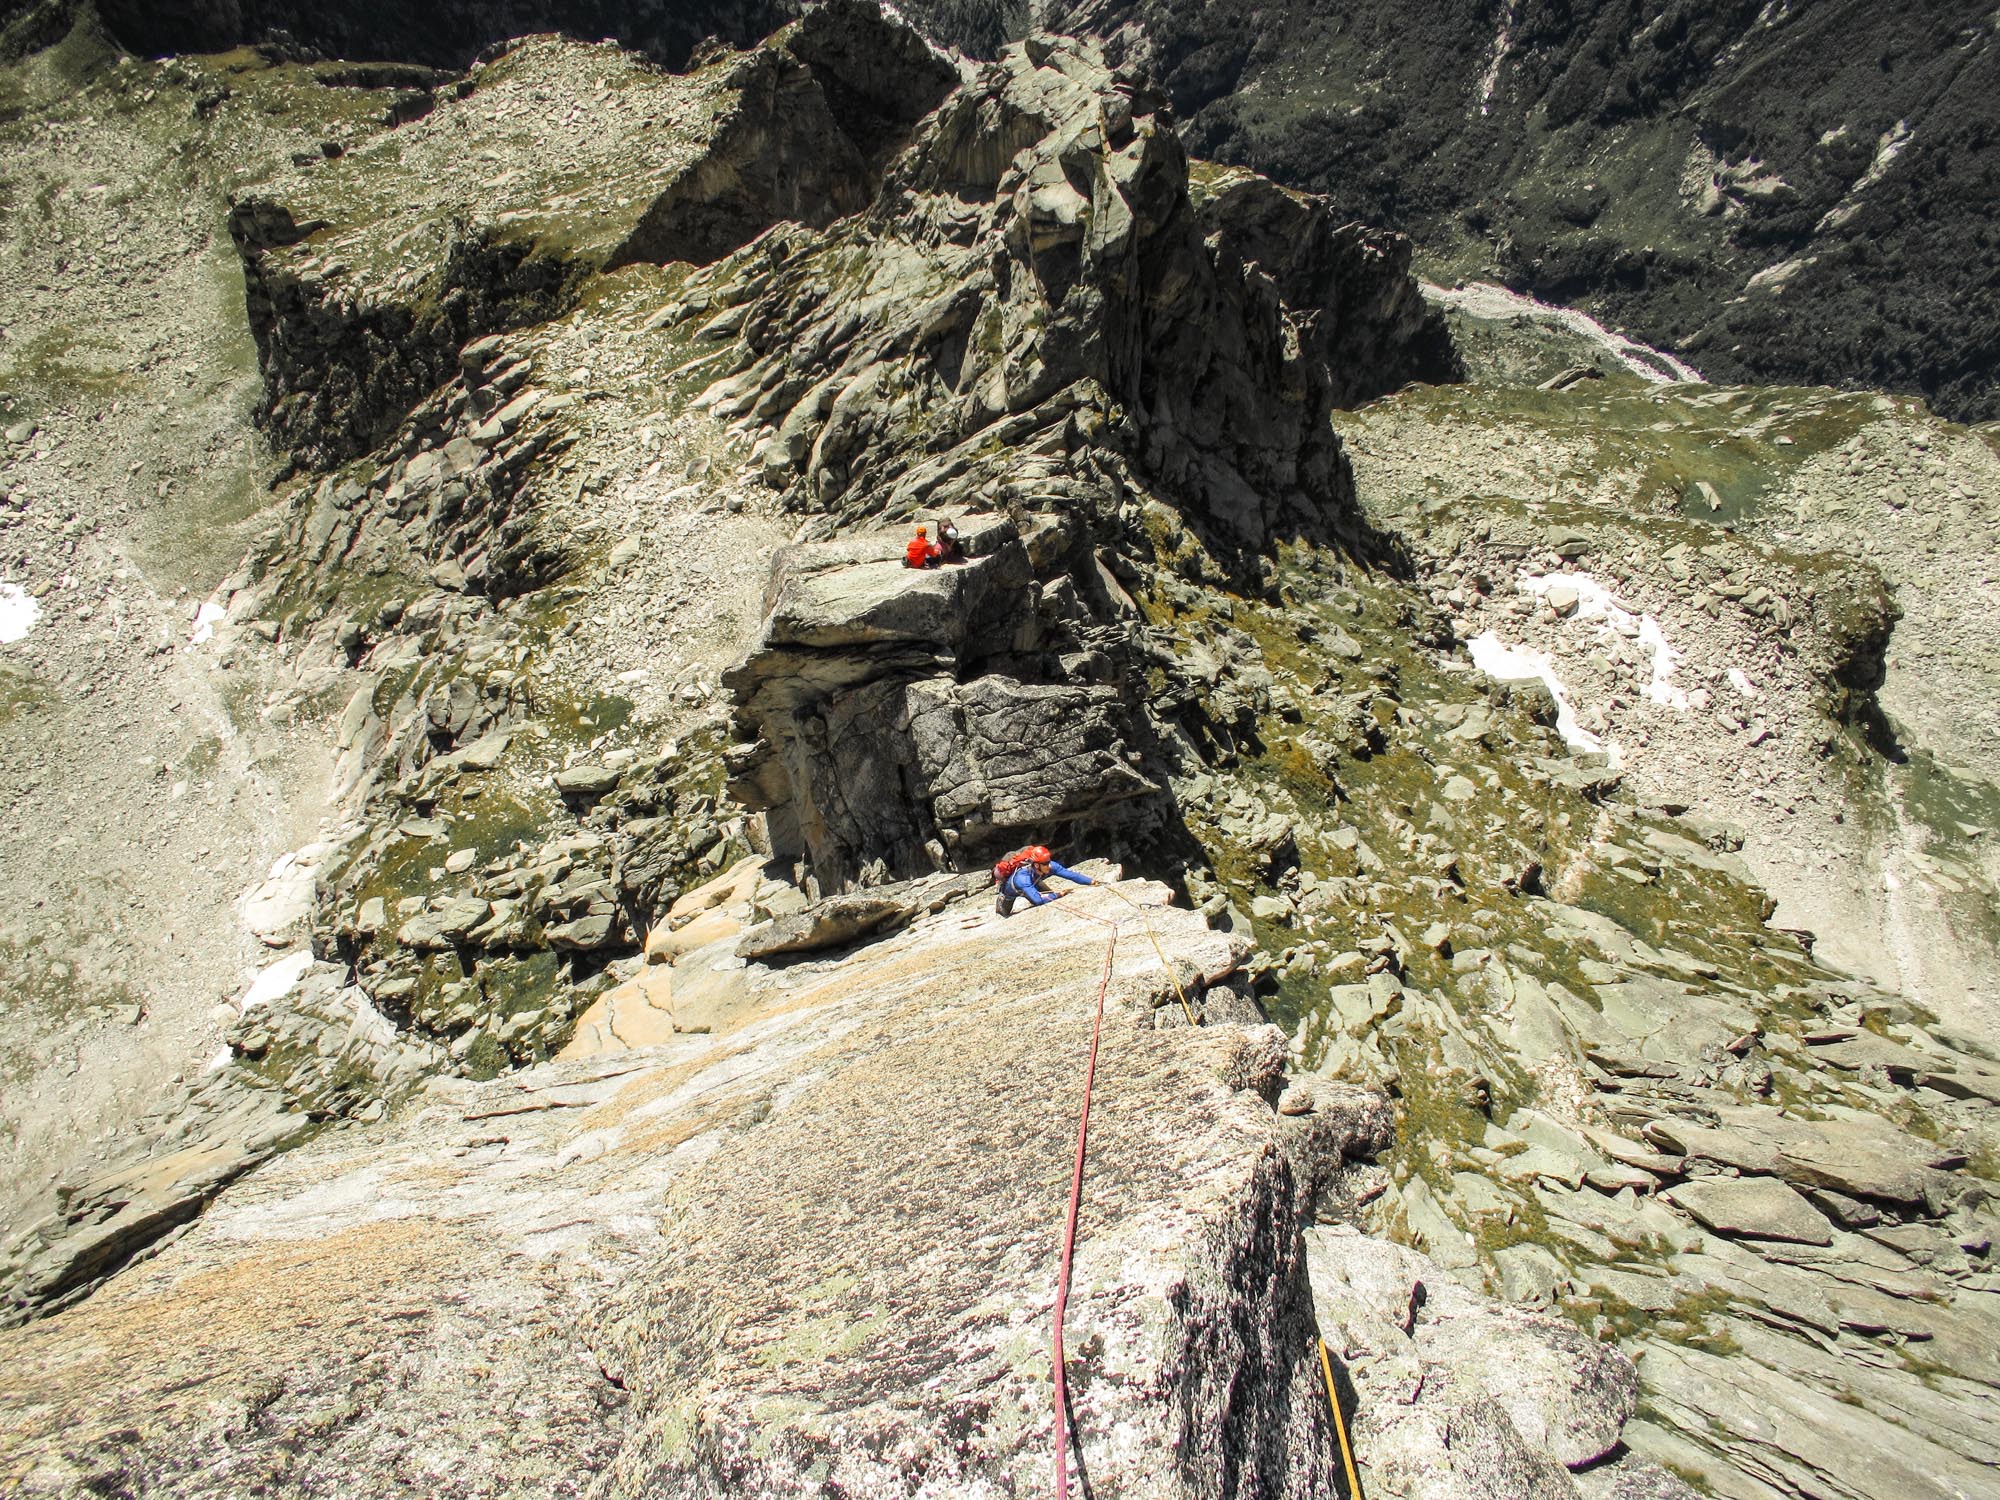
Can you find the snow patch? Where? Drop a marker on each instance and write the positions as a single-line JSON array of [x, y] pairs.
[[1888, 146], [19, 610], [275, 981], [1482, 299], [204, 622], [1504, 663], [1771, 278], [1596, 602]]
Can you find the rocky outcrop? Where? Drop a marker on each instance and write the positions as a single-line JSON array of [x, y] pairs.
[[759, 1259], [775, 1214], [1036, 273], [491, 954], [1630, 157], [1788, 1208], [1348, 285], [819, 109], [1047, 316], [358, 315], [306, 1049], [1455, 1395], [451, 498], [895, 722]]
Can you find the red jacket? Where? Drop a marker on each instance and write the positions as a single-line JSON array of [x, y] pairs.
[[919, 553]]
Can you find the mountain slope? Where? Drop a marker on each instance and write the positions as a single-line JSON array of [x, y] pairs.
[[1470, 732], [1788, 192]]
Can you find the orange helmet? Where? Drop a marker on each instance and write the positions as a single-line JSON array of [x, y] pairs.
[[1039, 855], [923, 531]]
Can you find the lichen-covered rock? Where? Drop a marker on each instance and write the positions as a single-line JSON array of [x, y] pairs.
[[1457, 1395], [817, 1246], [367, 274]]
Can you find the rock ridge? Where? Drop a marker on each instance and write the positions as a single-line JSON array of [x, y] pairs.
[[357, 319]]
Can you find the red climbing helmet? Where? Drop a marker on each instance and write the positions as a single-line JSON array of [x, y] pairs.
[[1038, 855]]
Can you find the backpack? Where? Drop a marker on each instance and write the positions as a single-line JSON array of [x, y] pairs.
[[1004, 871]]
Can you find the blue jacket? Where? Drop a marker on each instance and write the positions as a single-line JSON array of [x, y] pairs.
[[1022, 882]]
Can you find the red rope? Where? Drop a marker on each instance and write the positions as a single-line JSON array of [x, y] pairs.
[[1075, 1199]]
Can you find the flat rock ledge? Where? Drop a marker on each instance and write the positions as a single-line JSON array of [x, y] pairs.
[[811, 1250]]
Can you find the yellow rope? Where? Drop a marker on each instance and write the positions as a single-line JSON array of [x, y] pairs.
[[1339, 1424], [1172, 978]]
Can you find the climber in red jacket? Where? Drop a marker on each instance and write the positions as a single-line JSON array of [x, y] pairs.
[[922, 552], [1023, 876]]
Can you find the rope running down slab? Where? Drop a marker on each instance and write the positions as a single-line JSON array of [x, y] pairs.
[[1082, 1145], [1076, 1199], [1339, 1424]]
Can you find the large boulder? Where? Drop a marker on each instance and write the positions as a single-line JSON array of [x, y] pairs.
[[905, 721], [840, 920]]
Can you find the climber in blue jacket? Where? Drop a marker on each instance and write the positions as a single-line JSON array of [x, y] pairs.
[[1020, 877]]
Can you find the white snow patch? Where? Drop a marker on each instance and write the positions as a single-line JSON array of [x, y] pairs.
[[1659, 685], [275, 981], [204, 622], [1482, 299], [1887, 149], [1504, 663], [1740, 680], [19, 610], [1596, 602], [1771, 278]]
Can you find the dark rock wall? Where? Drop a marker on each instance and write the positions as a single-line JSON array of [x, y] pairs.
[[338, 375], [817, 117], [1590, 172]]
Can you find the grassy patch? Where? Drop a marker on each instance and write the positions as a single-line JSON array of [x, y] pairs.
[[23, 695], [63, 363], [44, 985]]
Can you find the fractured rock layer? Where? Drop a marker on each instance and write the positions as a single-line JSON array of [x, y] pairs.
[[823, 1233], [359, 313]]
